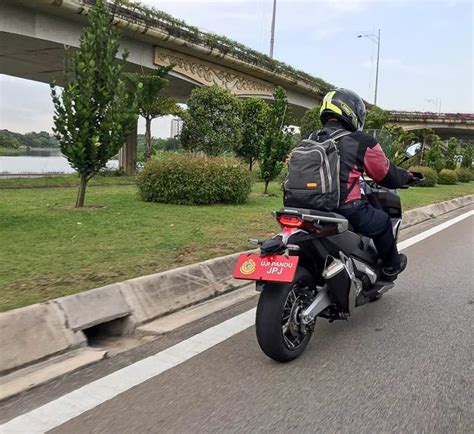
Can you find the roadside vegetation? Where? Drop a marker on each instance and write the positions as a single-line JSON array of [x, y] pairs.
[[50, 250], [196, 196]]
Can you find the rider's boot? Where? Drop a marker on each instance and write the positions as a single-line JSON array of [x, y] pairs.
[[391, 272]]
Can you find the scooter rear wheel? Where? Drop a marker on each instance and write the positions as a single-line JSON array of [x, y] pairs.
[[278, 322]]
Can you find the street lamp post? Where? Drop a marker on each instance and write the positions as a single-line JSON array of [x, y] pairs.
[[376, 40], [437, 103], [272, 36]]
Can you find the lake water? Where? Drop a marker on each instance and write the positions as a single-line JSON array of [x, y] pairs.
[[40, 161]]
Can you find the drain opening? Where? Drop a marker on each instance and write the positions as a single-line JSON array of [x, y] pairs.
[[102, 333]]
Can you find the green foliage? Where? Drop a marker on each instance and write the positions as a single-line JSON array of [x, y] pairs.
[[394, 142], [434, 157], [464, 174], [171, 144], [213, 123], [255, 114], [8, 140], [447, 177], [150, 103], [310, 122], [431, 176], [95, 112], [278, 141], [183, 180], [43, 139], [376, 118], [452, 151], [467, 155]]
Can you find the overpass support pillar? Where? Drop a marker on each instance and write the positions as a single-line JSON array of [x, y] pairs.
[[128, 154]]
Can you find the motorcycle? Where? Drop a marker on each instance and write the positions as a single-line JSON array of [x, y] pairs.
[[316, 267]]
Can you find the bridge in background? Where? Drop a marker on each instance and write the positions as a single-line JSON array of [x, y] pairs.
[[446, 125], [33, 34]]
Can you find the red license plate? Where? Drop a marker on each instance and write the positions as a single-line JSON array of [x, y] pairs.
[[276, 268]]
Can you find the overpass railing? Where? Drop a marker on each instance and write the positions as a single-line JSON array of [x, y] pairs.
[[423, 116], [149, 17]]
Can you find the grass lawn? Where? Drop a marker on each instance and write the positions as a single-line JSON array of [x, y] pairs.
[[48, 249]]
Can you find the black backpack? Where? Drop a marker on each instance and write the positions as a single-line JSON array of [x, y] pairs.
[[313, 174]]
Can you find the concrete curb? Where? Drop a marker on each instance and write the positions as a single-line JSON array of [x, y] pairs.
[[150, 297], [419, 215], [34, 333], [89, 308]]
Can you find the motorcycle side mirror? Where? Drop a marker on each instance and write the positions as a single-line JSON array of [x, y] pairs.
[[412, 150]]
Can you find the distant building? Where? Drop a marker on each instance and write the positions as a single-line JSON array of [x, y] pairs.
[[176, 127]]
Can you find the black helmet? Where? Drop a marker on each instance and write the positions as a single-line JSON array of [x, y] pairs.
[[344, 105]]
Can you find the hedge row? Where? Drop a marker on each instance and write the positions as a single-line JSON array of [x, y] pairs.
[[444, 177], [431, 177], [184, 180], [464, 175]]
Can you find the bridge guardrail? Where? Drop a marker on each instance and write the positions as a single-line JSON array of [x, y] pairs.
[[407, 115]]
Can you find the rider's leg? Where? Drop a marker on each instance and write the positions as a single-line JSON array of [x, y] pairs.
[[376, 224]]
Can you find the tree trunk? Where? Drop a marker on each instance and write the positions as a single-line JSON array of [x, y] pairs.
[[266, 187], [148, 148], [81, 194], [250, 164]]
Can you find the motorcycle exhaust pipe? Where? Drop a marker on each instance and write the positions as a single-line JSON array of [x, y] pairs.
[[338, 281]]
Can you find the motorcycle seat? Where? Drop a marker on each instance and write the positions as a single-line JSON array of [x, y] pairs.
[[313, 212]]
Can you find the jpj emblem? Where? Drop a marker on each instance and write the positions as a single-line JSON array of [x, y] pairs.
[[248, 267]]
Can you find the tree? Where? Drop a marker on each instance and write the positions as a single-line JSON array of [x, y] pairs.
[[8, 140], [310, 122], [376, 118], [95, 112], [467, 155], [451, 152], [213, 122], [278, 140], [434, 157], [254, 128], [394, 141], [150, 103]]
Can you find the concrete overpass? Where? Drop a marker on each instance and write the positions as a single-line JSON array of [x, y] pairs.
[[446, 125], [33, 34]]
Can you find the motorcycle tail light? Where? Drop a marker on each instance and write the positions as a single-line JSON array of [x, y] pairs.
[[290, 221]]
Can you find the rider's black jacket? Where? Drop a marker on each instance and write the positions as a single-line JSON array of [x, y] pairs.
[[361, 153]]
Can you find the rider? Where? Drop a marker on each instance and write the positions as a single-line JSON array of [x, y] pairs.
[[359, 153]]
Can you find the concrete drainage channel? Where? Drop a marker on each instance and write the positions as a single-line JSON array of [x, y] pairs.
[[43, 341]]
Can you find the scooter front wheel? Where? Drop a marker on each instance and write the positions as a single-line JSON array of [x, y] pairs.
[[280, 333]]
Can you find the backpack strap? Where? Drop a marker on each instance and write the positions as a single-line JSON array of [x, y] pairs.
[[339, 134], [336, 135]]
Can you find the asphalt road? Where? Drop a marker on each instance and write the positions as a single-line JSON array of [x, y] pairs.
[[402, 364]]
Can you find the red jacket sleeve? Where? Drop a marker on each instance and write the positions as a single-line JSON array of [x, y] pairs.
[[379, 168]]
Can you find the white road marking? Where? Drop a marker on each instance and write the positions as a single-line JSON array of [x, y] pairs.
[[77, 402], [434, 230]]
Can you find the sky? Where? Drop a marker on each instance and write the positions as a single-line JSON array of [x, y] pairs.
[[426, 51]]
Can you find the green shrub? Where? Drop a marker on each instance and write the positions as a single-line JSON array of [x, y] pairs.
[[431, 177], [184, 180], [464, 175], [447, 177]]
